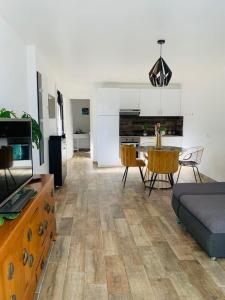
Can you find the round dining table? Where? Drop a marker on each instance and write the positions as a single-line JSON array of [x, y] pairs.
[[145, 149]]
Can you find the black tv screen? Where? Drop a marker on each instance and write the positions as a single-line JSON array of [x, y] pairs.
[[16, 165]]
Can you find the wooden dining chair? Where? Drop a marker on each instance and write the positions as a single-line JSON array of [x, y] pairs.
[[162, 162], [128, 159]]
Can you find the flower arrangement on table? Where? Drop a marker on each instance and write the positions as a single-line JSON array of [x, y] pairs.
[[158, 135]]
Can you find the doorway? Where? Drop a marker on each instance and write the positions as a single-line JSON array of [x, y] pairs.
[[81, 124]]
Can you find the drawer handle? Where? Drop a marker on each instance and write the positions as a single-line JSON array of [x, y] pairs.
[[45, 224], [10, 271], [41, 229], [13, 297], [53, 209], [30, 260], [25, 256], [29, 235], [47, 208]]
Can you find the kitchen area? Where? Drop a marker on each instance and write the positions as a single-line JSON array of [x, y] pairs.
[[128, 114], [140, 131]]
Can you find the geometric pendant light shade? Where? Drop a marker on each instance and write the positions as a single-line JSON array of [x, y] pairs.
[[160, 74]]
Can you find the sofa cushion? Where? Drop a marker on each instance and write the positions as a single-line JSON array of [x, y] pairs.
[[180, 189], [208, 209]]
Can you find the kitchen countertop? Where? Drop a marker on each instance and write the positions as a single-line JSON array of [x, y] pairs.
[[166, 135]]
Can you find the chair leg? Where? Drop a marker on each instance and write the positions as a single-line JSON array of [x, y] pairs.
[[152, 183], [125, 171], [12, 176], [6, 180], [194, 174], [125, 178], [146, 170], [170, 176], [199, 174], [142, 177], [178, 174]]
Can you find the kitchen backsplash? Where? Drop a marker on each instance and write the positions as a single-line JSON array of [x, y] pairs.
[[139, 126]]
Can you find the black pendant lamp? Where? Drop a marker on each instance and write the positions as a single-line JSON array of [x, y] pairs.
[[160, 74]]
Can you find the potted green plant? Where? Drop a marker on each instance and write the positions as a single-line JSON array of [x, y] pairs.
[[163, 130], [145, 126], [36, 132]]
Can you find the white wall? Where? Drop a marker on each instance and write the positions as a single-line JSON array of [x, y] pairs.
[[13, 70], [68, 127], [18, 92], [37, 62], [204, 121], [49, 86]]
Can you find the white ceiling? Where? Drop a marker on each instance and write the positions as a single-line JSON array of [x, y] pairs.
[[111, 40]]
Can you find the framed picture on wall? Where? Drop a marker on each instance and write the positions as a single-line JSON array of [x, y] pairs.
[[85, 111], [51, 107], [40, 117]]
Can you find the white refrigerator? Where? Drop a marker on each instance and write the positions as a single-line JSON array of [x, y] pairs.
[[108, 141]]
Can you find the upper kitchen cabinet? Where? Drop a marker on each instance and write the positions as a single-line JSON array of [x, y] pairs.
[[150, 104], [171, 102], [129, 98], [107, 102], [160, 102]]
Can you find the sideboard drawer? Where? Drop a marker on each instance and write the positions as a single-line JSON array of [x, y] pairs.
[[24, 242], [13, 273]]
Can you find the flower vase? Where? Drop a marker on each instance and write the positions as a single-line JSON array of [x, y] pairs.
[[158, 140]]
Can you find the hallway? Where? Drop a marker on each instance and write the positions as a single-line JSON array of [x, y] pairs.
[[118, 244]]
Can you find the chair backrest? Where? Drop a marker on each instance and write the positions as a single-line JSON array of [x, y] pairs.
[[163, 161], [127, 155], [6, 157], [193, 154]]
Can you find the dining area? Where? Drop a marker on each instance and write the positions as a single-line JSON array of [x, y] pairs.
[[160, 166]]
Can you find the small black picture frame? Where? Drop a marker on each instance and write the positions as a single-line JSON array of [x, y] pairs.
[[85, 111]]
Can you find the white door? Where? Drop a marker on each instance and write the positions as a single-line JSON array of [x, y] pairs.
[[171, 102], [108, 141], [150, 104], [107, 102], [129, 99]]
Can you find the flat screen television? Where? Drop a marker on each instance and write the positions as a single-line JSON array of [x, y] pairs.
[[16, 164]]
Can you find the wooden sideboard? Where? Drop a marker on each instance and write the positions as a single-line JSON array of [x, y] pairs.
[[25, 243]]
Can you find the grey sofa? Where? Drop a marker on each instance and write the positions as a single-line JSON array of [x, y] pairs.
[[201, 208]]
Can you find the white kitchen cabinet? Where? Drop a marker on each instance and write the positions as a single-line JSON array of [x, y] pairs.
[[176, 141], [81, 141], [150, 104], [171, 102], [129, 98], [108, 141], [160, 102], [147, 141], [107, 102]]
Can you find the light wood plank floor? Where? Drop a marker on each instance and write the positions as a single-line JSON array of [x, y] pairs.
[[118, 244]]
